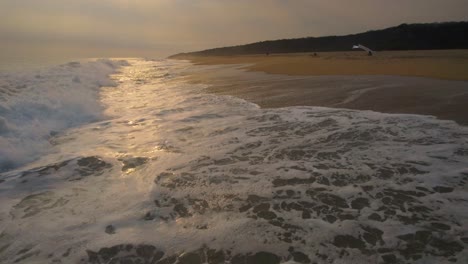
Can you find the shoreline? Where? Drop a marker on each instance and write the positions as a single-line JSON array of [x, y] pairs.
[[444, 99]]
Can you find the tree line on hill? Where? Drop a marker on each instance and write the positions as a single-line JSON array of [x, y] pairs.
[[447, 35]]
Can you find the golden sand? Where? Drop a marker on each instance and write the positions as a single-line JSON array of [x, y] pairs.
[[444, 64]]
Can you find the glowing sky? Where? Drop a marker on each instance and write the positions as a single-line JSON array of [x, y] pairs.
[[156, 28]]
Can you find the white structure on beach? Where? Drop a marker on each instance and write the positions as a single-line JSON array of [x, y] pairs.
[[369, 51]]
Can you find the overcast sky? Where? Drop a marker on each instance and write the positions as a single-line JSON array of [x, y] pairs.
[[157, 28]]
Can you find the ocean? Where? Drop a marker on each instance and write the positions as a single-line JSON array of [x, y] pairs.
[[126, 161]]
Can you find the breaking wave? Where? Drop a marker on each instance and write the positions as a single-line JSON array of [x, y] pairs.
[[37, 105]]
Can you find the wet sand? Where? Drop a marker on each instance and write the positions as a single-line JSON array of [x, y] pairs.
[[413, 82]]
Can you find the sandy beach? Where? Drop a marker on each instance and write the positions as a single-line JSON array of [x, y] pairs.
[[413, 82], [439, 64]]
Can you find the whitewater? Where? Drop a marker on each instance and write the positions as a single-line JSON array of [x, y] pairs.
[[126, 161]]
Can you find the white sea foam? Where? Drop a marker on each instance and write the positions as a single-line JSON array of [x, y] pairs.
[[37, 105], [181, 170]]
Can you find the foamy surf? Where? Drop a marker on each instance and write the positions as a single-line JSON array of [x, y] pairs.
[[36, 105], [174, 175]]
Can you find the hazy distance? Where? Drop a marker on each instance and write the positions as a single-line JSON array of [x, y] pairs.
[[148, 28]]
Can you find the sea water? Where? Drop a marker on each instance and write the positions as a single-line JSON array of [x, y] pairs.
[[113, 161]]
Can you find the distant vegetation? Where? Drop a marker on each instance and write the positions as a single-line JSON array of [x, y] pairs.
[[449, 35]]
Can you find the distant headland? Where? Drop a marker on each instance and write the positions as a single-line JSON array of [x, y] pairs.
[[431, 36]]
